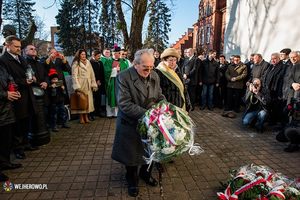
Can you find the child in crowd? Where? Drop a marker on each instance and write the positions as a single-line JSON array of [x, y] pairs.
[[57, 98]]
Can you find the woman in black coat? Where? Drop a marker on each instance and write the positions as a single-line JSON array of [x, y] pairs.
[[171, 80]]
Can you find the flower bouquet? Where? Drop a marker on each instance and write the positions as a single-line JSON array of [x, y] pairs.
[[254, 182], [168, 132]]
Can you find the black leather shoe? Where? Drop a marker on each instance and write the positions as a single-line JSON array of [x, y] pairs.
[[54, 129], [32, 148], [151, 181], [65, 126], [210, 108], [10, 166], [20, 155], [202, 107], [3, 177], [291, 148], [91, 118], [133, 191]]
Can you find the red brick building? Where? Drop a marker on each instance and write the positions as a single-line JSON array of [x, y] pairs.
[[186, 41], [210, 28]]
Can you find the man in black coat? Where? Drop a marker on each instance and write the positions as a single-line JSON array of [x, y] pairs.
[[7, 119], [190, 74], [271, 81], [25, 106], [220, 97], [99, 77], [284, 56], [259, 68], [41, 76], [294, 77], [249, 65], [60, 64], [209, 77]]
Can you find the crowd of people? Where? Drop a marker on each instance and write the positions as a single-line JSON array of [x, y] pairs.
[[268, 90]]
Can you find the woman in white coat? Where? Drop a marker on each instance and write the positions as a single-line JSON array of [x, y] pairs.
[[83, 81]]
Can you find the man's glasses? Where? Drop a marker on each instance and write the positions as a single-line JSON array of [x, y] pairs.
[[147, 68]]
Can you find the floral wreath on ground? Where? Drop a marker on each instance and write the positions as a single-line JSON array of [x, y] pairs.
[[254, 182]]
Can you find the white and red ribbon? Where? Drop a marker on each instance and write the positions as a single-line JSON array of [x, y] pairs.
[[157, 115]]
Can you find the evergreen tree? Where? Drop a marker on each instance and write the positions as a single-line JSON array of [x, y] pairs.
[[158, 28], [77, 21], [108, 24], [18, 13]]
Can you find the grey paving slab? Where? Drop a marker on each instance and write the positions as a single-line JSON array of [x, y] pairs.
[[76, 164]]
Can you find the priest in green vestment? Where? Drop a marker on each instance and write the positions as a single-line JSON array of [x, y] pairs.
[[112, 66]]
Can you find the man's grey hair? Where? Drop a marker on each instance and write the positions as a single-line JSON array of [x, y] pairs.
[[276, 54], [297, 52], [137, 55]]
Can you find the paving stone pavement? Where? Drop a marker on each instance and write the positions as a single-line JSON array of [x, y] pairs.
[[76, 164]]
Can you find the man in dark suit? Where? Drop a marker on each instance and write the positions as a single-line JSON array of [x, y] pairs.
[[220, 97], [284, 56], [99, 77], [259, 68], [249, 65], [25, 106], [190, 74], [272, 81]]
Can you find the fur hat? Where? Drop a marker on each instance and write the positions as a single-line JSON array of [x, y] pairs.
[[52, 74], [170, 52]]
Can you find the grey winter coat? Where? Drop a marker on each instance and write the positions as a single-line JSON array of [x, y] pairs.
[[131, 93]]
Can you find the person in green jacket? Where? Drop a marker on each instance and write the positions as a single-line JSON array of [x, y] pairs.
[[112, 66]]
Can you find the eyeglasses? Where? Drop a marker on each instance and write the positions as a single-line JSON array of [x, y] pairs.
[[171, 60], [32, 49], [123, 54], [147, 68]]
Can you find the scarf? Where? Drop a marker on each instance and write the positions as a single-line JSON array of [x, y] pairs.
[[172, 76]]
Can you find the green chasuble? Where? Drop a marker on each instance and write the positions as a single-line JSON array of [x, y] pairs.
[[110, 81]]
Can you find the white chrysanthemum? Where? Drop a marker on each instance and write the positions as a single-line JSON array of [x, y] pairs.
[[169, 122], [154, 147], [179, 134], [168, 150], [153, 132], [293, 190]]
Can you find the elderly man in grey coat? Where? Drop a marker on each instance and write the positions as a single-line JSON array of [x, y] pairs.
[[135, 86]]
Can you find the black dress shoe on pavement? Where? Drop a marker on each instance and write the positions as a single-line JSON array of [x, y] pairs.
[[3, 177], [133, 191], [54, 129], [91, 118], [20, 155], [32, 148], [202, 107], [151, 181], [291, 148], [10, 166], [65, 126], [210, 108]]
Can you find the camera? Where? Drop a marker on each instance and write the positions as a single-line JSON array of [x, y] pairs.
[[255, 85]]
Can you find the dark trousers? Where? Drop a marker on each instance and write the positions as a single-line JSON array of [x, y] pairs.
[[132, 176], [192, 93], [284, 117], [97, 105], [274, 107], [20, 135], [233, 98], [58, 112], [5, 143], [291, 135], [220, 97]]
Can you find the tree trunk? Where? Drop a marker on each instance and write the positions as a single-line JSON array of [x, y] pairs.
[[134, 41], [0, 13], [138, 16]]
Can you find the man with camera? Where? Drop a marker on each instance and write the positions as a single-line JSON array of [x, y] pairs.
[[256, 99]]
